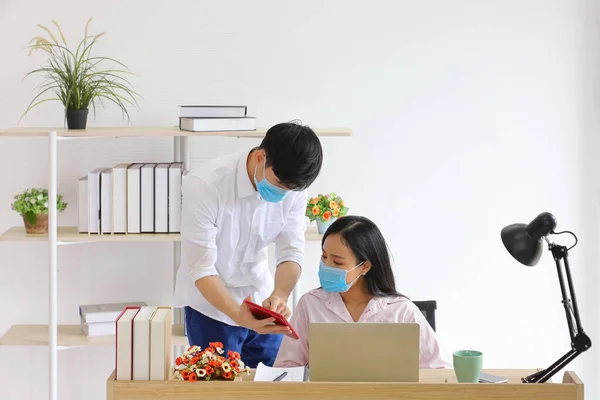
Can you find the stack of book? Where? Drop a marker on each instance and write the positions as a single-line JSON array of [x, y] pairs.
[[99, 319], [143, 343], [215, 119], [131, 198]]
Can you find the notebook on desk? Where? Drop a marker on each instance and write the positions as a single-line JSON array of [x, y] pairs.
[[364, 352]]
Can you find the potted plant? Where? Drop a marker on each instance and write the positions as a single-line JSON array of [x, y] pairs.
[[325, 209], [32, 204], [76, 78], [209, 364]]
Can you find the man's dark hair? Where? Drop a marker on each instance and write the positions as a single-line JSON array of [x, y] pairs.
[[294, 153]]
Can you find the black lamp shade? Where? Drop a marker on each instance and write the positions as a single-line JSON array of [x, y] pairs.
[[524, 242]]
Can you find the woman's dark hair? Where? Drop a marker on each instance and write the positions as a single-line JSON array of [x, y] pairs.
[[365, 240], [295, 154]]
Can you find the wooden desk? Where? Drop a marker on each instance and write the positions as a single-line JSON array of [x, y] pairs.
[[433, 385]]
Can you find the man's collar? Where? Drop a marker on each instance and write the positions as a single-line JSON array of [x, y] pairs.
[[244, 186]]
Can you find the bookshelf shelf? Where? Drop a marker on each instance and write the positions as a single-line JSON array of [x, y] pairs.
[[69, 234], [151, 131], [68, 336]]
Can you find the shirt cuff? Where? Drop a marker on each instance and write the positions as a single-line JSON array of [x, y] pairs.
[[297, 258], [202, 272]]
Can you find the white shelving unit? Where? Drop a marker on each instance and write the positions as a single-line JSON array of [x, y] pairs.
[[56, 336]]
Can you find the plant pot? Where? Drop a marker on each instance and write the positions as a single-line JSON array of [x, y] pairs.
[[41, 225], [77, 119], [322, 226]]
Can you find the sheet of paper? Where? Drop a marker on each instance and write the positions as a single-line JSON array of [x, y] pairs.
[[268, 374]]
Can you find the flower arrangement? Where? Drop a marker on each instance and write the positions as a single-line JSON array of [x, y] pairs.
[[209, 364], [77, 78], [32, 204], [325, 207]]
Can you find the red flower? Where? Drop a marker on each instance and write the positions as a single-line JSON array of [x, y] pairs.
[[178, 361], [227, 375], [193, 377], [186, 361], [233, 354], [185, 375], [234, 364], [209, 370], [195, 360], [216, 345], [221, 358], [212, 363]]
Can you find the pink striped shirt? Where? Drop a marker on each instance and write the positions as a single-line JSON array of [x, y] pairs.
[[321, 306]]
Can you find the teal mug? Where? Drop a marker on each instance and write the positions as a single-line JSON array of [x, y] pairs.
[[468, 365]]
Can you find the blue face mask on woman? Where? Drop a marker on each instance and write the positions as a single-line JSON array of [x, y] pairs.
[[333, 280], [268, 191]]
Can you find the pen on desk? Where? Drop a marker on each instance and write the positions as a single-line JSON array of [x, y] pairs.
[[280, 377]]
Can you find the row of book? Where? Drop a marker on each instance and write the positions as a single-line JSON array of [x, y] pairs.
[[215, 118], [143, 343], [131, 198]]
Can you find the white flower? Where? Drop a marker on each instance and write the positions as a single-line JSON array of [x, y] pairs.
[[226, 367], [220, 350], [213, 357], [241, 364], [177, 375], [46, 204], [193, 367], [201, 373], [32, 201], [40, 197]]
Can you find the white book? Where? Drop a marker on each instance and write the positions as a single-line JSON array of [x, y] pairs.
[[212, 111], [175, 176], [147, 199], [133, 198], [160, 344], [94, 313], [141, 344], [120, 198], [106, 201], [124, 344], [82, 205], [217, 124], [99, 329], [161, 198], [94, 190]]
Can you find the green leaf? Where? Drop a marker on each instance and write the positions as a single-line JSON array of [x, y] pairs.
[[31, 218]]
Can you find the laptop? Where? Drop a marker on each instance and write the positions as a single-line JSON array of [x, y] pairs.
[[364, 352]]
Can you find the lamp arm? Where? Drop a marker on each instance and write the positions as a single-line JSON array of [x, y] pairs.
[[580, 341]]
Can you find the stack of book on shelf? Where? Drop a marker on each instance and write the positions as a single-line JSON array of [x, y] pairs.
[[215, 119], [99, 319], [131, 198], [143, 343]]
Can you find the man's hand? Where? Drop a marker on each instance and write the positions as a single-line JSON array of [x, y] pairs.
[[262, 326], [278, 304]]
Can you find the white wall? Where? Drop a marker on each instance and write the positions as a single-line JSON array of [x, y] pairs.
[[467, 116]]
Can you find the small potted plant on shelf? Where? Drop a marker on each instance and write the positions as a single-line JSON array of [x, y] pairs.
[[76, 78], [209, 364], [32, 204], [325, 209]]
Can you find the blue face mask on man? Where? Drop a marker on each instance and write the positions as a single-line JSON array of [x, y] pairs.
[[333, 280], [268, 191]]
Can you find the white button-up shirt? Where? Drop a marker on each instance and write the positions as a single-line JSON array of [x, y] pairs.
[[225, 230]]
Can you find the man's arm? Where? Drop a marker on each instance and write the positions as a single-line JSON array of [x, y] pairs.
[[200, 205], [289, 253]]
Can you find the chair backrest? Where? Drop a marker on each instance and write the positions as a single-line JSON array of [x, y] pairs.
[[428, 308]]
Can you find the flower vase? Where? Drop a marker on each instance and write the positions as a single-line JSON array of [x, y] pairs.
[[322, 226], [41, 225]]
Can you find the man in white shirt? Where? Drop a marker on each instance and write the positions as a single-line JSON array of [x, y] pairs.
[[233, 207]]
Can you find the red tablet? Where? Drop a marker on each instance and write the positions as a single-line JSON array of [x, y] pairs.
[[261, 313]]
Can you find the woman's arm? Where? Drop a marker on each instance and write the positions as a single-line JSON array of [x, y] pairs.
[[431, 353], [294, 353]]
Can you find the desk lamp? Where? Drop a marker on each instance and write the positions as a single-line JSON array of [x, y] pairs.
[[524, 243]]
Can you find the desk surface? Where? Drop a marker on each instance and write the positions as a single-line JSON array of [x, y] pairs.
[[434, 384]]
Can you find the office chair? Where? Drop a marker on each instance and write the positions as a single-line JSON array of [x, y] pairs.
[[428, 308]]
